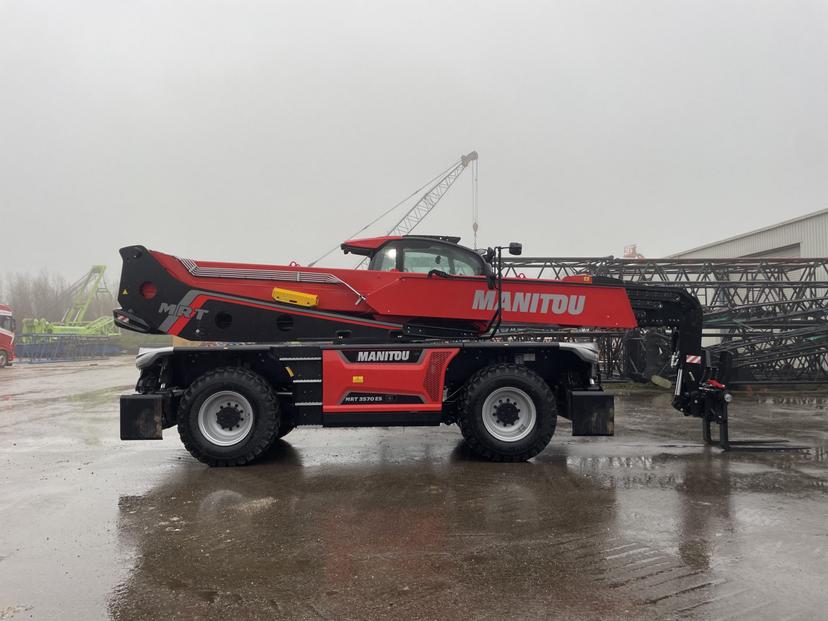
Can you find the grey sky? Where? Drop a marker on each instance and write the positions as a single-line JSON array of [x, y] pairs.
[[267, 131]]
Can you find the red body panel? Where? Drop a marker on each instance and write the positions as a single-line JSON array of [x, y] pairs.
[[199, 301], [369, 243], [6, 334], [333, 296], [525, 301], [421, 379], [396, 297]]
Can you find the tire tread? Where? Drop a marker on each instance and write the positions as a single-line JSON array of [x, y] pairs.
[[465, 412], [264, 438]]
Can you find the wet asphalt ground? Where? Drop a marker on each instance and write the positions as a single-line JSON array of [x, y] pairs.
[[404, 523]]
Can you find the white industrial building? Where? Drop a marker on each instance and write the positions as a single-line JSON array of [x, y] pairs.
[[805, 236]]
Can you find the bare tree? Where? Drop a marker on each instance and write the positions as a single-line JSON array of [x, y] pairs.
[[47, 296]]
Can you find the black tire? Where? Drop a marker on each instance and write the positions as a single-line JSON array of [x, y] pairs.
[[470, 413], [284, 430], [265, 415], [4, 359]]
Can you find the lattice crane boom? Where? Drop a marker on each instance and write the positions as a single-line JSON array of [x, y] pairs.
[[437, 188], [429, 200], [83, 292]]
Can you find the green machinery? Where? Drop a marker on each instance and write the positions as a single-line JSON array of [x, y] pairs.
[[74, 336], [82, 294]]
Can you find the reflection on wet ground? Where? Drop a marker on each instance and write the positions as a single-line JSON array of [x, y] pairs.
[[405, 522]]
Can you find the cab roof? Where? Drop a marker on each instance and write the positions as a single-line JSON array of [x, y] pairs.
[[369, 245]]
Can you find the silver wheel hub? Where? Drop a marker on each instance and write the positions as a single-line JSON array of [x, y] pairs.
[[509, 414], [225, 418]]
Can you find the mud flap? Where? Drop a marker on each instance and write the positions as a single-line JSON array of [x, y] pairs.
[[592, 413], [141, 417]]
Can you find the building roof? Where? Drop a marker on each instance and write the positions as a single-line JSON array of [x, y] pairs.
[[807, 216]]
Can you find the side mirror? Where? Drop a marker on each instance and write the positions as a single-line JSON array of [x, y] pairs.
[[515, 248], [489, 255]]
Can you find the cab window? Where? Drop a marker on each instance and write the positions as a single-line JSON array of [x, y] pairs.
[[385, 260], [421, 257]]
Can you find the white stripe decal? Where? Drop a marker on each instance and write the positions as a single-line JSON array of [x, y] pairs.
[[258, 274]]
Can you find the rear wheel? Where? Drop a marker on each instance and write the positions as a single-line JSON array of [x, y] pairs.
[[508, 413], [228, 417]]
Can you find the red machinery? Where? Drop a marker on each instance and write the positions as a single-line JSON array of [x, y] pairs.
[[417, 338], [7, 328]]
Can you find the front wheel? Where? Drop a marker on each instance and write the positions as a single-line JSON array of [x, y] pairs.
[[508, 413], [228, 417], [4, 359]]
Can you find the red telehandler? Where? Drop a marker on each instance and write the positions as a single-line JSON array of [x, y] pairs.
[[424, 336]]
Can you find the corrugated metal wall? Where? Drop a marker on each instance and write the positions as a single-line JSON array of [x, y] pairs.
[[806, 237]]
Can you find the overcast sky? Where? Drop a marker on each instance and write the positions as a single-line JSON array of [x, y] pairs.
[[269, 131]]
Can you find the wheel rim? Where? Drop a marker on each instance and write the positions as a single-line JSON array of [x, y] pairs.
[[225, 418], [2, 358], [509, 414]]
